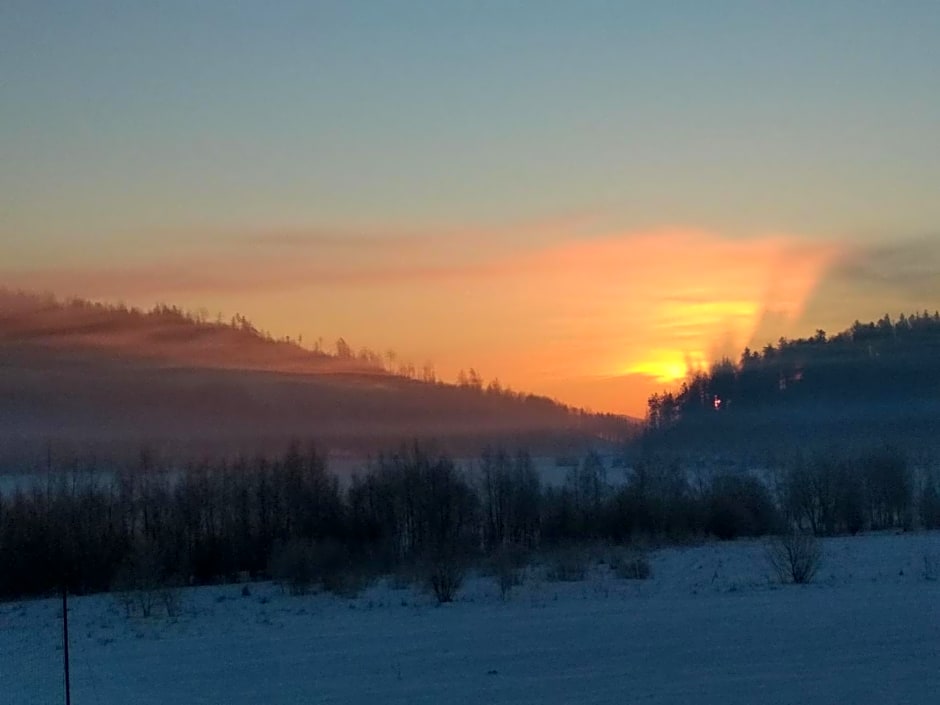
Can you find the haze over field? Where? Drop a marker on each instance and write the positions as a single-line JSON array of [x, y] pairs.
[[100, 381], [586, 201]]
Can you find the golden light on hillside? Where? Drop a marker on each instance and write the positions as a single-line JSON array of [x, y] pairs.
[[599, 321]]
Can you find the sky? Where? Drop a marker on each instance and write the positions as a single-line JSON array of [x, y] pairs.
[[583, 199]]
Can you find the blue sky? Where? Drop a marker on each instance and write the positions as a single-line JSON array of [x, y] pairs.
[[745, 116], [136, 132]]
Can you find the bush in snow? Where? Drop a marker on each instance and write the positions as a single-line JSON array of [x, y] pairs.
[[335, 570], [143, 590], [292, 566], [633, 565], [444, 577], [932, 566], [739, 505], [795, 556], [508, 565], [828, 495], [930, 506], [171, 599], [301, 565], [568, 565]]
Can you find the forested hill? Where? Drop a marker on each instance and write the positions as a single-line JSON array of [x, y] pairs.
[[169, 334], [874, 382], [106, 377]]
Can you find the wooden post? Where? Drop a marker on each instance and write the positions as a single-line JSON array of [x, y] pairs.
[[65, 642]]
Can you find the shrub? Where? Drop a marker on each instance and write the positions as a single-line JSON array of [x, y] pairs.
[[850, 502], [795, 556], [292, 566], [142, 590], [404, 577], [656, 501], [508, 567], [889, 485], [334, 569], [444, 577], [171, 599], [930, 506], [568, 565], [135, 603], [739, 506], [932, 566], [300, 565], [348, 583], [635, 565]]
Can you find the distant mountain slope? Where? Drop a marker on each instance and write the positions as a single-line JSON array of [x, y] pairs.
[[166, 334], [106, 377]]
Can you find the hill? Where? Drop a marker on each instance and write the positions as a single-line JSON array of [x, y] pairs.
[[111, 378], [874, 382]]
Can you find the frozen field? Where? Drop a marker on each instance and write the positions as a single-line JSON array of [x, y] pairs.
[[709, 627]]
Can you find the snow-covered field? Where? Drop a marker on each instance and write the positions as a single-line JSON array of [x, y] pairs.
[[711, 626]]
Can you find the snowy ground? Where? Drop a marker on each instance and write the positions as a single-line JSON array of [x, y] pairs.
[[709, 627]]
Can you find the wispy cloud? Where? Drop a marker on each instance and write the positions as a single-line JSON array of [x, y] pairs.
[[283, 259], [226, 275], [871, 279], [908, 268], [380, 240], [336, 240]]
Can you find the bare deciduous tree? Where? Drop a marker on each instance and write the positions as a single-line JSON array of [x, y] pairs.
[[795, 556]]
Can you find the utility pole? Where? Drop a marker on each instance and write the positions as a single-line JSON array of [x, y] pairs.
[[65, 642]]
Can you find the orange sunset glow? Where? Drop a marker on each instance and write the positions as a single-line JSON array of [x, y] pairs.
[[649, 307], [588, 209], [598, 321]]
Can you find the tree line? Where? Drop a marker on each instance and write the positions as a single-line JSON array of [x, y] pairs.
[[883, 360], [871, 373], [224, 520], [21, 311]]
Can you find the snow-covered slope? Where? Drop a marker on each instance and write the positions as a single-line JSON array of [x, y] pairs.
[[711, 626]]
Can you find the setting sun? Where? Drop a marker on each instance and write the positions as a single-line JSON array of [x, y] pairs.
[[590, 230], [667, 367]]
